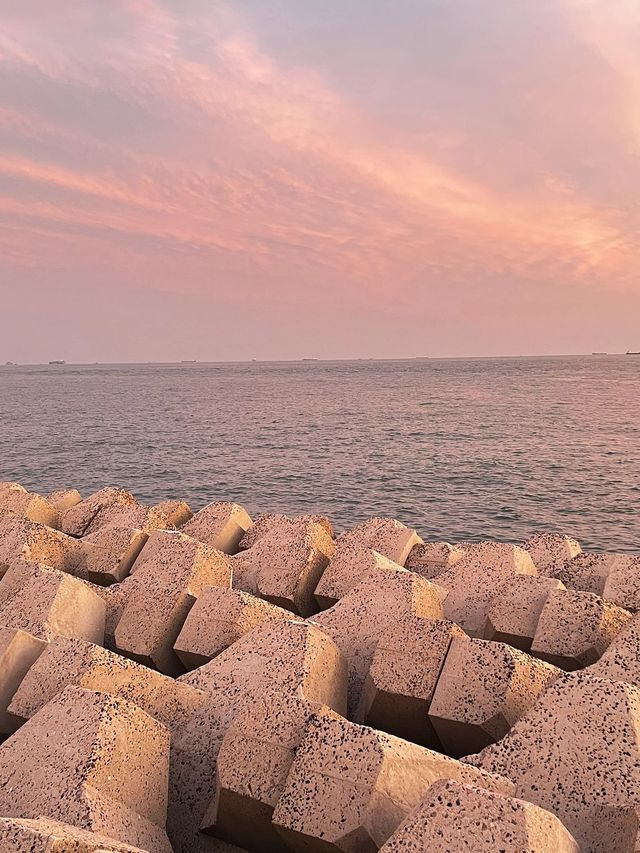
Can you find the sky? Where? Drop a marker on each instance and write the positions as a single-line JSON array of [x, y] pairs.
[[193, 179]]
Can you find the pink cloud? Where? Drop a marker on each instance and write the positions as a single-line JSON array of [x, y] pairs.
[[217, 168]]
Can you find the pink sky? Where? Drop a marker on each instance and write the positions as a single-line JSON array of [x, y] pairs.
[[277, 179]]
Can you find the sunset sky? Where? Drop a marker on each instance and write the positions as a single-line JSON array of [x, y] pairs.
[[193, 179]]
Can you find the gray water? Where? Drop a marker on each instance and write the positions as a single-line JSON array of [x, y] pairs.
[[460, 449]]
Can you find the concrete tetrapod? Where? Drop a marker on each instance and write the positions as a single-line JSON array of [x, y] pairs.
[[433, 558], [345, 571], [350, 786], [253, 763], [21, 835], [474, 580], [18, 652], [352, 560], [45, 602], [77, 518], [288, 656], [457, 817], [219, 618], [576, 751], [166, 515], [86, 665], [105, 770], [356, 622], [114, 597], [550, 551], [513, 612], [219, 524], [387, 536], [285, 565], [403, 675], [28, 540], [483, 689], [170, 574], [9, 486], [589, 572], [621, 660], [110, 552], [575, 628], [276, 659], [622, 585], [268, 522], [31, 506], [63, 499]]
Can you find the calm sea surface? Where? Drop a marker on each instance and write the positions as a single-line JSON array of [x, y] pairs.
[[460, 449]]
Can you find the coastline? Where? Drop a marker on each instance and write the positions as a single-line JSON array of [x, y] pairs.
[[234, 661]]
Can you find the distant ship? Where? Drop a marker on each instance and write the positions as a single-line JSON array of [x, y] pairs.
[[632, 353], [58, 361]]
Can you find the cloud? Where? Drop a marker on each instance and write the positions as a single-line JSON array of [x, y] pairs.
[[172, 140]]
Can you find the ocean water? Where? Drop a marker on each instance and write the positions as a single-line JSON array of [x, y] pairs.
[[459, 448]]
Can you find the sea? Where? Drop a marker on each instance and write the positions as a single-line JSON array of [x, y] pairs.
[[460, 449]]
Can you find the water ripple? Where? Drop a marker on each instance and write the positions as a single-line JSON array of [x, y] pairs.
[[462, 449]]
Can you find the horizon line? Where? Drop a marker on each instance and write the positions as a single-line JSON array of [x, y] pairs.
[[311, 359]]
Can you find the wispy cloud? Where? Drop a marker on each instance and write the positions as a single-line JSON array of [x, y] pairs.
[[174, 137]]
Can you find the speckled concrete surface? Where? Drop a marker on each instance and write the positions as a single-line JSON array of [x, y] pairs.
[[551, 551], [621, 660], [21, 835], [514, 610], [221, 525], [349, 781], [22, 538], [288, 659], [230, 686], [46, 602], [589, 572], [352, 560], [77, 518], [473, 581], [104, 770], [575, 751], [403, 675], [483, 689], [350, 565], [31, 506], [111, 551], [219, 618], [77, 662], [467, 819], [431, 559], [575, 628], [18, 653], [170, 573], [285, 565], [63, 499], [269, 521], [378, 601]]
